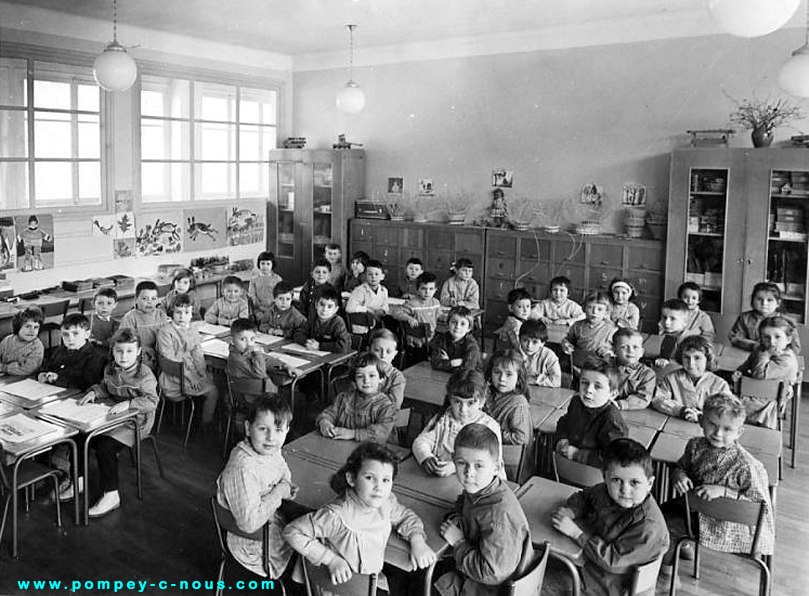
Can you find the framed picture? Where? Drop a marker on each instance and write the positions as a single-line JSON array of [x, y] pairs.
[[426, 186], [395, 186], [502, 178]]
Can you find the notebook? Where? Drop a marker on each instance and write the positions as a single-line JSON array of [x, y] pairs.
[[215, 347], [70, 411], [31, 390], [304, 350], [215, 330], [289, 360], [21, 428], [265, 339]]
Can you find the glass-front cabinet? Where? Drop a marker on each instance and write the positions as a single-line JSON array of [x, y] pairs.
[[312, 196]]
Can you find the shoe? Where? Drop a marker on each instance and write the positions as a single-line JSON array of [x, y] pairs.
[[67, 491], [687, 551], [108, 502]]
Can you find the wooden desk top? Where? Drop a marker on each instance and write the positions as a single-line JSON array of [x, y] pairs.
[[540, 413], [683, 428], [645, 417], [556, 333], [556, 397], [25, 449], [312, 479], [414, 481], [539, 497], [315, 447], [425, 384], [548, 426], [642, 434]]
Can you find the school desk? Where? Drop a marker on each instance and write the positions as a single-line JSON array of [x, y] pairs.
[[425, 385], [316, 447], [25, 404], [645, 417], [328, 361], [730, 357], [413, 480], [756, 439], [556, 397], [556, 333], [539, 497], [540, 413]]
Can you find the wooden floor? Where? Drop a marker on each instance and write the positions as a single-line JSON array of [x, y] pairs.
[[169, 535]]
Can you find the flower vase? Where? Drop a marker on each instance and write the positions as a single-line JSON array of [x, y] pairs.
[[761, 136]]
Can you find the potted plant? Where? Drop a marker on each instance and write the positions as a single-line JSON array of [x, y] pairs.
[[762, 116], [521, 213], [457, 204]]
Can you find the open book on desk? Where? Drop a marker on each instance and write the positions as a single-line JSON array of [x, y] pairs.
[[81, 417], [215, 330], [265, 339], [304, 350], [33, 392], [290, 360], [216, 347], [21, 428]]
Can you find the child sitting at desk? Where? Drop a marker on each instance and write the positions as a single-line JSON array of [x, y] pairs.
[[559, 309], [179, 341], [682, 391], [435, 445], [325, 330], [617, 523], [356, 271], [363, 413], [102, 325], [421, 308], [315, 287], [488, 531], [456, 349], [21, 352], [672, 326], [637, 381], [594, 333], [592, 420], [384, 345], [76, 363], [231, 306], [146, 319], [766, 302], [281, 318], [183, 282], [408, 286], [247, 360], [540, 363], [624, 312], [255, 481], [350, 534], [697, 319], [333, 253], [519, 308], [507, 402], [461, 289], [370, 296], [261, 291]]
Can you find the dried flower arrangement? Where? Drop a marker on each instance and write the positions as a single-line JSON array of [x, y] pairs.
[[522, 211], [764, 113]]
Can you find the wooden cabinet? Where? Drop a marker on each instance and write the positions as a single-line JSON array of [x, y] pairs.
[[312, 195]]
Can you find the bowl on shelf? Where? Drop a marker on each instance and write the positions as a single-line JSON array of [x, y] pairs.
[[552, 229], [456, 219], [588, 227]]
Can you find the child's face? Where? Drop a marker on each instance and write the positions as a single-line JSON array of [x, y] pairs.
[[126, 354], [413, 270], [694, 363], [595, 311], [357, 268], [74, 337], [774, 339], [265, 267], [104, 305], [531, 345], [691, 299], [182, 284], [464, 273], [520, 308], [594, 389], [283, 301], [181, 315], [721, 431], [765, 303], [147, 301], [475, 468], [621, 294], [458, 327], [628, 485], [672, 320], [504, 377], [559, 293], [374, 277], [427, 290], [373, 483], [464, 409], [320, 274], [266, 433], [33, 224], [384, 349], [244, 341], [232, 292], [29, 331], [367, 379], [629, 350], [333, 255], [326, 309]]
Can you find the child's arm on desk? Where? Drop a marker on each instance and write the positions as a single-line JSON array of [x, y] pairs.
[[304, 533]]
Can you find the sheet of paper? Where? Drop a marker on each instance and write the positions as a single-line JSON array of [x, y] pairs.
[[289, 360], [215, 347], [265, 339], [304, 350], [215, 330], [6, 408], [20, 428], [31, 390], [70, 410]]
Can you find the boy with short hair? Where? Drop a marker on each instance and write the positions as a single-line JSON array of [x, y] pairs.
[[519, 308], [246, 359], [333, 253], [461, 289], [76, 363], [637, 382], [231, 306], [617, 523], [146, 319], [325, 330], [281, 318], [102, 325], [592, 419], [315, 286], [384, 345], [408, 286], [370, 296], [541, 364], [455, 349], [423, 307], [559, 309], [488, 531], [594, 333], [673, 317]]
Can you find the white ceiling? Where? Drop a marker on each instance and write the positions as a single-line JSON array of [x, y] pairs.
[[300, 27]]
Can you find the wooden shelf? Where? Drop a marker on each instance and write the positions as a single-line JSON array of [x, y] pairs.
[[707, 193], [774, 239], [707, 234]]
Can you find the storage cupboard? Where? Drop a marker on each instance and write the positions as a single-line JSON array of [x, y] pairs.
[[312, 195]]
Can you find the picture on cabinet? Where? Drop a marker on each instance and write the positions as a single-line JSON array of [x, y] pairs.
[[502, 178], [426, 186], [395, 186]]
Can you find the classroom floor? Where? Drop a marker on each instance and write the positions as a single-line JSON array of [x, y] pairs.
[[170, 534]]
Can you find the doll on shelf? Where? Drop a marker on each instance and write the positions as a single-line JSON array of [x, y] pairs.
[[498, 212]]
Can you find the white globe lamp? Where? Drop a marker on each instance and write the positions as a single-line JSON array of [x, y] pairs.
[[114, 69], [351, 98], [751, 18]]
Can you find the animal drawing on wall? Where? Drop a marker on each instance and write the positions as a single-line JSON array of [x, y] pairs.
[[34, 242], [123, 248], [195, 228], [203, 229], [103, 225], [8, 256], [161, 237], [245, 226]]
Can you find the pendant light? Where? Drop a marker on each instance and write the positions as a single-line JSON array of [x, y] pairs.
[[751, 18], [794, 75], [351, 99], [114, 69]]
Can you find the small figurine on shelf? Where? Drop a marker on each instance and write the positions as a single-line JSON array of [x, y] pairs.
[[343, 144], [498, 212]]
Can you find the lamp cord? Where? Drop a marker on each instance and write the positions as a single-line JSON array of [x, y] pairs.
[[806, 41], [115, 20], [351, 51]]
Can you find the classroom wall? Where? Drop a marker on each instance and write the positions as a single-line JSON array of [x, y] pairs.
[[558, 118]]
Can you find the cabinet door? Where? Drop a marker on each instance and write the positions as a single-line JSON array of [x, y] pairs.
[[284, 223], [320, 219]]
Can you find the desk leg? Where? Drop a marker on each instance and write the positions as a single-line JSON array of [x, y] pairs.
[[793, 431], [74, 450], [139, 472], [572, 569]]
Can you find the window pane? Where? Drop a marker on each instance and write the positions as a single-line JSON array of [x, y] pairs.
[[253, 180], [257, 106], [52, 94], [89, 96], [216, 141], [90, 183], [270, 140], [165, 97], [164, 139], [54, 182], [13, 185], [52, 136], [89, 137], [165, 182], [13, 77], [215, 180], [249, 143], [215, 102], [13, 133]]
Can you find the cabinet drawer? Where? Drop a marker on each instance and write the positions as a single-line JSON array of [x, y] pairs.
[[534, 272], [647, 282], [466, 242], [600, 278], [500, 268], [648, 258], [362, 231], [498, 289], [407, 253], [387, 255], [387, 235], [502, 247], [496, 313], [607, 255], [533, 250], [569, 252], [575, 273], [439, 262], [393, 275], [439, 240], [413, 238], [365, 247], [537, 289]]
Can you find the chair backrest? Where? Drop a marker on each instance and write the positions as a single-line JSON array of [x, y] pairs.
[[771, 389], [224, 521], [50, 334], [644, 577], [172, 368], [318, 582], [359, 325], [530, 584], [55, 309], [517, 458], [401, 422], [747, 513], [240, 391], [575, 473]]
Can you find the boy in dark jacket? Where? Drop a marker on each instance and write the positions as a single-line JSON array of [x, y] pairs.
[[75, 364]]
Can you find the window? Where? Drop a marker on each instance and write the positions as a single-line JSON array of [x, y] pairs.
[[57, 161], [204, 141]]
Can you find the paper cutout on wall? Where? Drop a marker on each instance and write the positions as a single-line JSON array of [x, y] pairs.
[[204, 228], [123, 201], [123, 248], [159, 234], [8, 254], [124, 225], [103, 225], [245, 225], [34, 242]]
